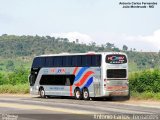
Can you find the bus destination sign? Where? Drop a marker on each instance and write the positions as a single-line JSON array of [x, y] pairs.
[[116, 59]]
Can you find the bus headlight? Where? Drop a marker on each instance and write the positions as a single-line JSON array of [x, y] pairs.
[[37, 87]]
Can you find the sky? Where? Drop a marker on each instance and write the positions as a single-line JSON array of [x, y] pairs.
[[99, 21]]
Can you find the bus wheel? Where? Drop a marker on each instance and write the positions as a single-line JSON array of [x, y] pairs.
[[127, 97], [77, 94], [86, 94], [42, 93]]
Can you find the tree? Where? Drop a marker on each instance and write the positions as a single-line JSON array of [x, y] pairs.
[[109, 45], [65, 40], [134, 49], [48, 37], [125, 48], [77, 40], [93, 44], [116, 49]]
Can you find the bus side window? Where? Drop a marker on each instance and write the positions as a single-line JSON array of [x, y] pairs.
[[74, 61], [93, 60], [89, 62], [69, 61], [98, 60], [60, 62], [84, 61], [49, 62], [71, 77], [67, 81], [79, 60], [38, 62], [57, 61], [64, 61], [57, 80]]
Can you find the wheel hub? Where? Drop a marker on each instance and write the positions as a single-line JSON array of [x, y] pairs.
[[85, 94]]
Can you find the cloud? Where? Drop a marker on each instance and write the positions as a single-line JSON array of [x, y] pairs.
[[144, 43], [72, 36], [154, 39]]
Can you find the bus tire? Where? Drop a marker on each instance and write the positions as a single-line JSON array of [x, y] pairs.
[[42, 93], [77, 94], [127, 97], [86, 94]]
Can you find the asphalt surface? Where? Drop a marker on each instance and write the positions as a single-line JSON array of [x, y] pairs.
[[34, 108]]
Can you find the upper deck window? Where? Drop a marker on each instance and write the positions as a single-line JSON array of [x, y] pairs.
[[67, 61], [38, 62]]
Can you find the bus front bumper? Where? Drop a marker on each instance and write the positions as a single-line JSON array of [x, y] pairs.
[[34, 91]]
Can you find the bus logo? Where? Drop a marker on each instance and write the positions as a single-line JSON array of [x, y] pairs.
[[115, 58], [61, 70]]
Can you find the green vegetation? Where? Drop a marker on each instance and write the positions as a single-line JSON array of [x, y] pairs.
[[15, 81], [18, 76], [17, 52], [24, 48], [145, 81], [145, 95], [145, 84], [16, 89]]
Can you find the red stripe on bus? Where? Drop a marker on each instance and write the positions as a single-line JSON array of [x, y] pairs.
[[84, 78], [71, 91], [75, 70]]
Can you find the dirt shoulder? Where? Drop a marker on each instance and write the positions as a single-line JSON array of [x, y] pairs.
[[15, 95]]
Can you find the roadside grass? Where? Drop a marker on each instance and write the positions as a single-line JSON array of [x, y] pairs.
[[145, 96], [14, 89]]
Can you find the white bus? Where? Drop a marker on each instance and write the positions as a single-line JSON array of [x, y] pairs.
[[82, 75]]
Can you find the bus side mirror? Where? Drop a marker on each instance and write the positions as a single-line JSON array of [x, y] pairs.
[[30, 80]]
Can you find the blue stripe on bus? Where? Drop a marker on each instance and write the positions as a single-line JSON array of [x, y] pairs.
[[89, 82], [80, 73]]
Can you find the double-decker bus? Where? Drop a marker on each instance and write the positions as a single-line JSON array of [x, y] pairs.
[[81, 75]]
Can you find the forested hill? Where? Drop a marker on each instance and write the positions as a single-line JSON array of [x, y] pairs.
[[12, 46]]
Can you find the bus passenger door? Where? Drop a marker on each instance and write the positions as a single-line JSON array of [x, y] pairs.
[[96, 85]]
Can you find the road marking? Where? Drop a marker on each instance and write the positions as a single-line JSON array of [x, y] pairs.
[[54, 109], [139, 105], [81, 111]]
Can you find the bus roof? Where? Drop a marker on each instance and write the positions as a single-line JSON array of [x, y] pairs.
[[87, 53]]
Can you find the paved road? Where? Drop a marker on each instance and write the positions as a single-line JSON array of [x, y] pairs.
[[34, 108]]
